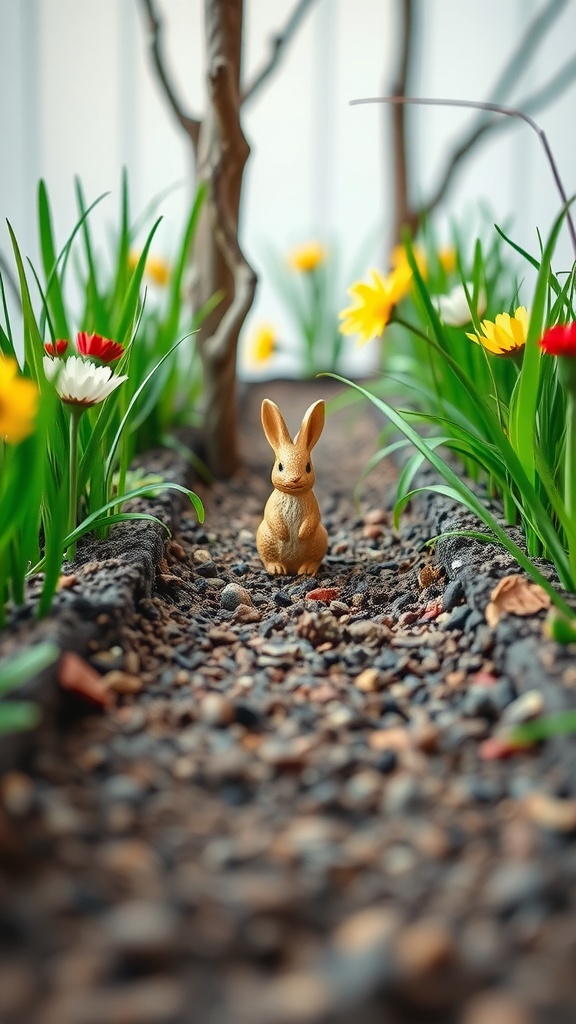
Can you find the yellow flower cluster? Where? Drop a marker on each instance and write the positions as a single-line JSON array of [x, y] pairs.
[[18, 402]]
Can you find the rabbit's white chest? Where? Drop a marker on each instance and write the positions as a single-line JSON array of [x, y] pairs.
[[292, 513]]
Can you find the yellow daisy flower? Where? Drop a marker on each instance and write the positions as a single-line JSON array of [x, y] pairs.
[[157, 269], [18, 402], [263, 344], [371, 309], [305, 258], [506, 336]]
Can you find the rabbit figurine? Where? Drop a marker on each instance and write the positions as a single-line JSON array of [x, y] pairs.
[[291, 538]]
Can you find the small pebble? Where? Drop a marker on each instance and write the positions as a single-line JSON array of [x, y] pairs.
[[529, 705], [121, 682], [215, 709], [396, 738], [140, 928], [453, 595], [423, 947], [17, 793], [369, 680], [201, 556], [207, 569], [376, 516], [365, 930], [325, 594], [550, 812], [233, 595], [495, 1008]]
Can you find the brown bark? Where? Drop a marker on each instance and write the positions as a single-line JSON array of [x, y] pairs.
[[404, 214], [219, 262], [220, 154]]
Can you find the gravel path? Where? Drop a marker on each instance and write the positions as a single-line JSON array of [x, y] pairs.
[[287, 817]]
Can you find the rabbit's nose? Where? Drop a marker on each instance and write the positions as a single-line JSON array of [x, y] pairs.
[[295, 480]]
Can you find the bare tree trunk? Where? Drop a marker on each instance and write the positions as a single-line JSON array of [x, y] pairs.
[[219, 262], [220, 154]]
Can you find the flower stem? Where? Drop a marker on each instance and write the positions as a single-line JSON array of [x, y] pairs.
[[75, 414], [570, 473]]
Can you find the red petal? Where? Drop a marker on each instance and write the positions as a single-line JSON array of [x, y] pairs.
[[56, 348], [98, 347], [560, 340]]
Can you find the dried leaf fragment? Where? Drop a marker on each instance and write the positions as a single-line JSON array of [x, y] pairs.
[[515, 595], [78, 677], [429, 574]]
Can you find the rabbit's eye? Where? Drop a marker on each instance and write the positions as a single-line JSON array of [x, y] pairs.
[[280, 467], [308, 467]]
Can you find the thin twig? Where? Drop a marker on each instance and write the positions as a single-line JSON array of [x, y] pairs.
[[190, 124], [494, 108], [530, 106], [278, 45]]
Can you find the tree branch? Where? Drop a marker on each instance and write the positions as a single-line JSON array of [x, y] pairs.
[[495, 108], [399, 121], [530, 105], [190, 124], [232, 155], [278, 44]]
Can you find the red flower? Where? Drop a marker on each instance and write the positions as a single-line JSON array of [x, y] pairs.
[[560, 340], [55, 348], [96, 347]]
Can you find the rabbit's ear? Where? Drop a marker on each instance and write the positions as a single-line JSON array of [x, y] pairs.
[[312, 425], [274, 427]]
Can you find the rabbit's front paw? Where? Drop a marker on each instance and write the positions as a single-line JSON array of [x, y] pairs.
[[308, 569], [275, 568]]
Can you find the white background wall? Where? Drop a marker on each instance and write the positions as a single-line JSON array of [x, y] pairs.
[[78, 98]]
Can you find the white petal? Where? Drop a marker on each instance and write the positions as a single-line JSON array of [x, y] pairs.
[[51, 367], [84, 382], [453, 308]]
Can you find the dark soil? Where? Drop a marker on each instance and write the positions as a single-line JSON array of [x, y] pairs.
[[291, 818]]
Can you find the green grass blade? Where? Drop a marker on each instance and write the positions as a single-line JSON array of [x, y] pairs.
[[95, 312], [33, 344], [123, 327], [54, 297], [523, 406], [16, 716], [134, 399], [6, 338], [172, 320], [464, 494], [22, 667]]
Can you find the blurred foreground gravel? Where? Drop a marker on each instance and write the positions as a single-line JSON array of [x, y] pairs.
[[288, 815]]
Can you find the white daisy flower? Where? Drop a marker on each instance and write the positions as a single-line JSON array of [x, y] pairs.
[[81, 382], [453, 308]]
